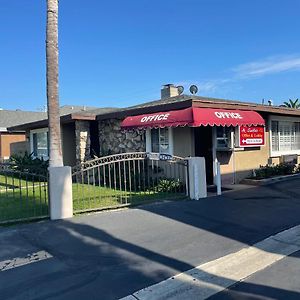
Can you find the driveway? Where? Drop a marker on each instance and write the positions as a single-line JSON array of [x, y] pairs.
[[113, 254]]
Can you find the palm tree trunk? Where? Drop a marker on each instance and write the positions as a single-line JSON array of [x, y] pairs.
[[55, 155]]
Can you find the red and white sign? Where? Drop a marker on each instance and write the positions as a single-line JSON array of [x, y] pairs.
[[251, 136]]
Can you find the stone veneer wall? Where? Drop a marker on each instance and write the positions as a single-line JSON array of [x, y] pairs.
[[83, 142], [113, 140]]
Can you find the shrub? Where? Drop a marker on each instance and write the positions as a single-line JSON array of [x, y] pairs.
[[268, 171], [169, 185], [28, 163]]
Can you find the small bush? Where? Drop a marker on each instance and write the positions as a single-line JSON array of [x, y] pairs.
[[28, 163], [169, 185], [268, 171]]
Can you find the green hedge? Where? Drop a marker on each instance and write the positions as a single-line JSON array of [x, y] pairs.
[[268, 171]]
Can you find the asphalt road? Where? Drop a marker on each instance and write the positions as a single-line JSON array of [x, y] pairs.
[[113, 254]]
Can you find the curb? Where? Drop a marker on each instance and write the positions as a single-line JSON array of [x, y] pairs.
[[269, 180]]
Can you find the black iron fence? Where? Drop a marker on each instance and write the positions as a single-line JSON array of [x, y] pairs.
[[23, 192], [127, 179]]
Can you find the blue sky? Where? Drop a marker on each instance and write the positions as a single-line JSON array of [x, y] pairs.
[[119, 53]]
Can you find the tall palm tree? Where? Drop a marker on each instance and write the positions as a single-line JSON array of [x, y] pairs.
[[55, 155], [292, 103]]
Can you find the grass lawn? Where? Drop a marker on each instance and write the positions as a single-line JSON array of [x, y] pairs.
[[32, 200], [89, 197], [23, 203], [8, 182]]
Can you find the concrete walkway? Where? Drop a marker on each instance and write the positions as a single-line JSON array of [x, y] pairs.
[[114, 254], [279, 281], [215, 276]]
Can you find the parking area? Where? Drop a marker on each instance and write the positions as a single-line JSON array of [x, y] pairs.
[[112, 254]]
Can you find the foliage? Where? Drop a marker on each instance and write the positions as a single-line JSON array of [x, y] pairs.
[[139, 176], [292, 103], [28, 163], [268, 171], [169, 185]]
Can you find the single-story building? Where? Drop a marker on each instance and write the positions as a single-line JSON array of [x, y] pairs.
[[240, 135], [79, 130], [13, 142], [16, 141]]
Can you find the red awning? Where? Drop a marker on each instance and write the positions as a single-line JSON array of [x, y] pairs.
[[171, 118], [194, 117], [226, 117]]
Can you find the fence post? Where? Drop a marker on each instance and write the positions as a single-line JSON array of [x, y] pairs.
[[197, 178], [60, 192]]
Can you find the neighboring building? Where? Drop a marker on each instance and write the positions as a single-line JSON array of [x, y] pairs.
[[15, 141], [183, 125], [12, 142], [79, 130]]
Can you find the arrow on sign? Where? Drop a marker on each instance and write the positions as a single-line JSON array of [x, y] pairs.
[[252, 141]]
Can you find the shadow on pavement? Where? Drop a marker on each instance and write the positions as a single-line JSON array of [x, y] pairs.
[[91, 263]]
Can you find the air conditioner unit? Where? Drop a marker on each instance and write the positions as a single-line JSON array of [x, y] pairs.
[[289, 159]]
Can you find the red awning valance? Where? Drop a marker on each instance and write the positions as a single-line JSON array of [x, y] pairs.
[[171, 118], [226, 117], [194, 117]]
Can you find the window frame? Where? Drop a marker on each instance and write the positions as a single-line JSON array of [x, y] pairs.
[[149, 142], [34, 131], [229, 138], [278, 153]]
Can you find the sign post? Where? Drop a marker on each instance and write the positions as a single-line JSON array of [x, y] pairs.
[[251, 136]]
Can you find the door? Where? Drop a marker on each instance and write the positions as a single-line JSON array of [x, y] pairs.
[[204, 148]]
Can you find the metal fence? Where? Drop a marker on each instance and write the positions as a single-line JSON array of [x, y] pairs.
[[128, 179], [23, 192]]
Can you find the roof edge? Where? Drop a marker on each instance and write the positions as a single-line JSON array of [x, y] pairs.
[[63, 119], [147, 109], [247, 106]]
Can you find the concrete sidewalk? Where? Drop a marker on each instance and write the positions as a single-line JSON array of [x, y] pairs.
[[279, 281], [113, 254], [215, 276]]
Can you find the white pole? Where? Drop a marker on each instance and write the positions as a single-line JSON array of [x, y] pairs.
[[60, 187], [219, 184], [187, 178], [196, 174]]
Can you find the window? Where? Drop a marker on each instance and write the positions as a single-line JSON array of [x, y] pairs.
[[275, 136], [223, 136], [40, 143], [285, 136], [159, 140]]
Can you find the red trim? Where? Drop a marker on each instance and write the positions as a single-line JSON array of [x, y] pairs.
[[194, 117]]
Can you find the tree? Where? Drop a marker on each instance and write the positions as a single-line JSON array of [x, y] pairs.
[[55, 155], [292, 103]]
